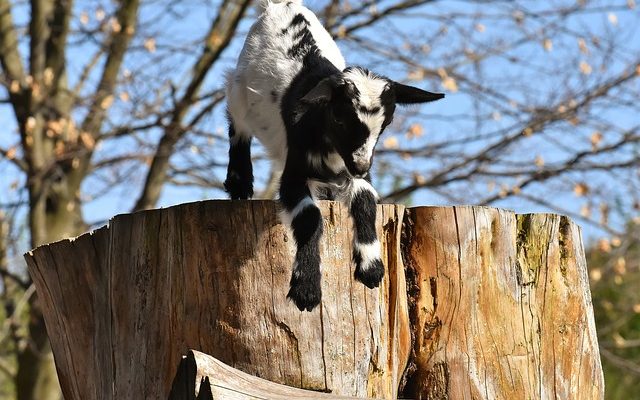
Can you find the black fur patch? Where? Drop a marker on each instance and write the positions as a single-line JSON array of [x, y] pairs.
[[304, 43], [305, 286], [239, 182], [363, 211], [372, 276], [299, 19]]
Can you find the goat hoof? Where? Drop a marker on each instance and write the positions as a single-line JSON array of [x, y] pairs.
[[305, 293], [371, 276], [238, 187]]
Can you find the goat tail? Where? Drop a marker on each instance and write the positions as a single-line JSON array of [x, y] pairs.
[[263, 4]]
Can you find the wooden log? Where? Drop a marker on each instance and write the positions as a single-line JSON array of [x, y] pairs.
[[125, 302], [201, 376], [496, 307], [500, 307]]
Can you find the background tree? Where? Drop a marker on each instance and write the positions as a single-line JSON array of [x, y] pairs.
[[113, 106], [615, 279]]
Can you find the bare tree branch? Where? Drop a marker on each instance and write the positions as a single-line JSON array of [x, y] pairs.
[[9, 55], [216, 41]]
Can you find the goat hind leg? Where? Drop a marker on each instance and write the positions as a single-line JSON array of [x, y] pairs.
[[239, 182]]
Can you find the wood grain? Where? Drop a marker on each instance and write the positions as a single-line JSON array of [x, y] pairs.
[[126, 301], [500, 307]]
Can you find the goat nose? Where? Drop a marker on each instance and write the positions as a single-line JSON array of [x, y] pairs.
[[362, 167]]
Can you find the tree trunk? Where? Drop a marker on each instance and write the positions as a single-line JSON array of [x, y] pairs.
[[487, 313]]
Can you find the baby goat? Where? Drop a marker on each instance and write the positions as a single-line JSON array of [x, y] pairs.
[[319, 122]]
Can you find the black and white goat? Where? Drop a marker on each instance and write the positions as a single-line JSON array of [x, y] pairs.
[[319, 122]]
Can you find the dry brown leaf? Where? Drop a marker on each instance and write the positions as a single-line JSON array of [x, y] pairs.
[[414, 131], [604, 214], [100, 14], [59, 149], [585, 210], [48, 76], [106, 102], [582, 44], [150, 45], [87, 140], [616, 241], [450, 84], [547, 44], [585, 68], [596, 138], [518, 16], [391, 143], [604, 245], [504, 191], [11, 153], [620, 267], [30, 124], [14, 87], [84, 18], [416, 74], [115, 25], [581, 189]]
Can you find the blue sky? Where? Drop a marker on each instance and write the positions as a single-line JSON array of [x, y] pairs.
[[177, 37]]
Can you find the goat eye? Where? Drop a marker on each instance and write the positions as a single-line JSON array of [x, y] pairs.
[[336, 119]]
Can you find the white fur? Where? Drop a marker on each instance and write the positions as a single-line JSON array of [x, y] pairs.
[[369, 253], [288, 216], [370, 88], [264, 4], [264, 66], [356, 186]]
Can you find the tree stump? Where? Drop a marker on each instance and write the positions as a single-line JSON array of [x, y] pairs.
[[485, 310], [501, 307]]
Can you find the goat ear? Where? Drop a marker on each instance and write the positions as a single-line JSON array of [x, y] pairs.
[[321, 93], [413, 95]]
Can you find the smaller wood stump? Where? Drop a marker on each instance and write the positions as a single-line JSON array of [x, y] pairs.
[[210, 379]]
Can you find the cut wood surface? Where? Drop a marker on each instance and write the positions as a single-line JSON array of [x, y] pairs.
[[493, 305]]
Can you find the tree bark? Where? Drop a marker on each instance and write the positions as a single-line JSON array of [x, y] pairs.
[[485, 311], [500, 306]]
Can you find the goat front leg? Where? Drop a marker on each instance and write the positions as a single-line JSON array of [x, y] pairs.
[[305, 221], [361, 198]]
